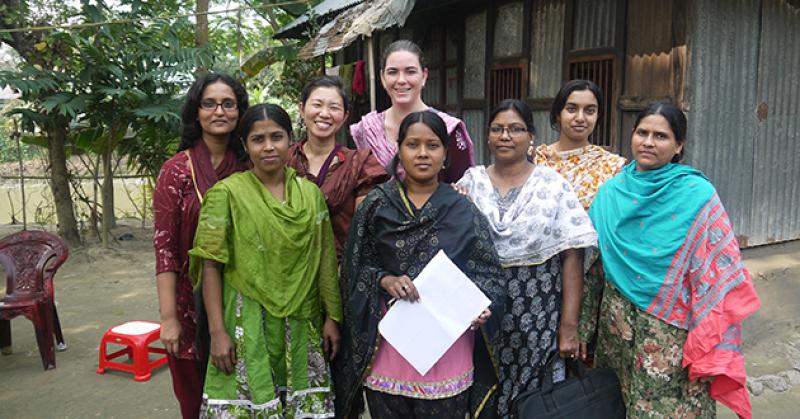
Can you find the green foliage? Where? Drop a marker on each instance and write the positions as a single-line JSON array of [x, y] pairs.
[[291, 11], [274, 69], [293, 77], [268, 57], [116, 85], [120, 86], [8, 146]]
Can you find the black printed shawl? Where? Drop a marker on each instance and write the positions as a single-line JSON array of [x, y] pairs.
[[386, 239]]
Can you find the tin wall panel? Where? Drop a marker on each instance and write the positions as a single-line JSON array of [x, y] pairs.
[[595, 23], [433, 46], [475, 58], [776, 177], [476, 127], [547, 48], [508, 30], [544, 134], [432, 93], [722, 93], [649, 53]]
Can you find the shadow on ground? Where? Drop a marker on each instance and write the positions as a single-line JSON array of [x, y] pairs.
[[95, 289], [98, 288]]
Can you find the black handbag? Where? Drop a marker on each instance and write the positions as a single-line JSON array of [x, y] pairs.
[[586, 393]]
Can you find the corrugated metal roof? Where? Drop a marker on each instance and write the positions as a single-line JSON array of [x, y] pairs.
[[324, 11], [361, 20]]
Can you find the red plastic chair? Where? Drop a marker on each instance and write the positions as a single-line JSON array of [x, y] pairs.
[[30, 260]]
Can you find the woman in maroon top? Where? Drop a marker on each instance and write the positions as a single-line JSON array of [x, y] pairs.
[[344, 175], [206, 154]]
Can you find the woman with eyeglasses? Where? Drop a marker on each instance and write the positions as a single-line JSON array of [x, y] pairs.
[[540, 231], [206, 155]]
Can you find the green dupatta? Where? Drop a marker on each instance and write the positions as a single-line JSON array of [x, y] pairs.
[[268, 248]]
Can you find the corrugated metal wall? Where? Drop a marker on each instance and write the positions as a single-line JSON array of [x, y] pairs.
[[476, 127], [544, 134], [595, 22], [655, 50], [737, 61], [547, 48], [776, 177], [722, 79], [655, 59], [475, 57], [508, 30]]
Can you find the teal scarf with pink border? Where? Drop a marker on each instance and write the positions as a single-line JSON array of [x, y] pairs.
[[667, 245]]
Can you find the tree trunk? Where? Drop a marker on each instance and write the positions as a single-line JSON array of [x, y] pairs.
[[109, 221], [94, 218], [59, 184], [201, 30]]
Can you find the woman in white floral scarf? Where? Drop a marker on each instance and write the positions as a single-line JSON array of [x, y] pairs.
[[540, 230]]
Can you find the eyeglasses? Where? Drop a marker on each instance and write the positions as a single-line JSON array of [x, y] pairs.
[[211, 105], [497, 130]]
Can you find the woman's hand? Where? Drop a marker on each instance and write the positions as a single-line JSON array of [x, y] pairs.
[[170, 335], [460, 189], [400, 287], [330, 338], [223, 353], [583, 351], [481, 319], [568, 344]]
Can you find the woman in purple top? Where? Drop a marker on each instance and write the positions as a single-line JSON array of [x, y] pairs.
[[403, 75]]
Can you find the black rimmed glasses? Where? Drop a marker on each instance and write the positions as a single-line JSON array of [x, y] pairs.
[[211, 105], [497, 130]]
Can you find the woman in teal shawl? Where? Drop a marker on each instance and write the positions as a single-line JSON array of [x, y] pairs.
[[265, 248], [676, 289]]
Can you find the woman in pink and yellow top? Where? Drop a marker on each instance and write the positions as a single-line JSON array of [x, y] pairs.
[[586, 166], [398, 228], [403, 75], [575, 111]]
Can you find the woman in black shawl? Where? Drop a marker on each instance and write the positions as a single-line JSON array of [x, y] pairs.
[[396, 231]]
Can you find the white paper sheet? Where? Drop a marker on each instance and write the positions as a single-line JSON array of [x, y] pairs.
[[423, 331]]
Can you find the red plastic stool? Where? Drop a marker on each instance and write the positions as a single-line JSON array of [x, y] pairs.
[[137, 337]]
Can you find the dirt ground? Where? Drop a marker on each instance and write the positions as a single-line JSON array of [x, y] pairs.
[[99, 288], [95, 289]]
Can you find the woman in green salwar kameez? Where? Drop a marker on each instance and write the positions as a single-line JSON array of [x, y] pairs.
[[265, 248]]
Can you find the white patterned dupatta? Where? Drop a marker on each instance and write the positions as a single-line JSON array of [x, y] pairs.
[[535, 221]]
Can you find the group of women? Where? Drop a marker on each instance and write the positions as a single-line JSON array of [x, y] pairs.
[[277, 260]]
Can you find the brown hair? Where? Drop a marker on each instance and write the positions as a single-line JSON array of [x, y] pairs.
[[403, 45]]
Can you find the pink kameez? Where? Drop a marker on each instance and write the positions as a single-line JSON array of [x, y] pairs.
[[370, 133], [450, 376]]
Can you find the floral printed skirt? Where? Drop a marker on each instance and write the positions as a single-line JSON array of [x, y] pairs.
[[280, 373], [528, 330], [647, 355]]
